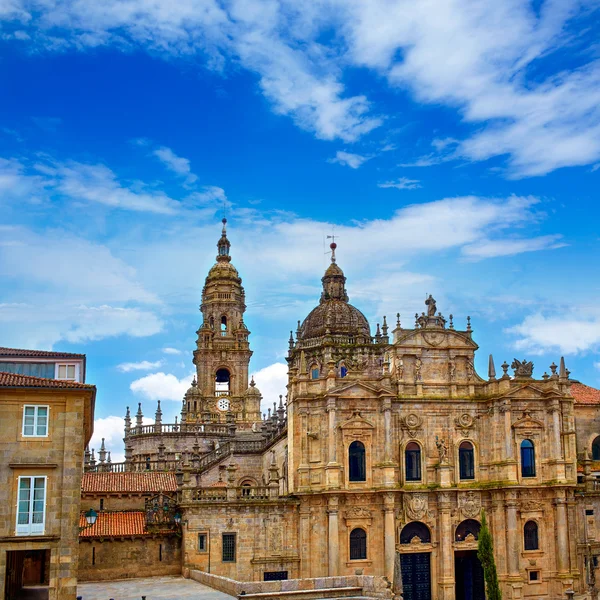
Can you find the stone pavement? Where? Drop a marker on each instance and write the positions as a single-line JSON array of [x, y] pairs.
[[154, 588]]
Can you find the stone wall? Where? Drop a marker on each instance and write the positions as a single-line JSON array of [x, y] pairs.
[[129, 557]]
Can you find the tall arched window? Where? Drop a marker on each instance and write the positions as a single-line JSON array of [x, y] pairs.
[[596, 449], [223, 325], [357, 469], [358, 544], [466, 461], [530, 536], [412, 456], [222, 378], [527, 459]]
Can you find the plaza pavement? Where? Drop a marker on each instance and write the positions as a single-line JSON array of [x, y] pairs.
[[154, 588]]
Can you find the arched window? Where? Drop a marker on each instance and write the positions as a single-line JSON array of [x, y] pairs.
[[596, 449], [466, 528], [246, 485], [527, 459], [223, 324], [530, 536], [358, 544], [314, 372], [466, 461], [222, 380], [415, 529], [412, 456], [343, 370], [357, 469]]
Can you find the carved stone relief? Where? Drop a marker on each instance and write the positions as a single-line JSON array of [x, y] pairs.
[[469, 504], [416, 506]]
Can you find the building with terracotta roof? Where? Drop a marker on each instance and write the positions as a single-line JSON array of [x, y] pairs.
[[46, 424], [64, 366]]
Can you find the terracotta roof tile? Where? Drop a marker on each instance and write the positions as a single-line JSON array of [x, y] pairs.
[[115, 524], [584, 394], [37, 353], [128, 482], [26, 381]]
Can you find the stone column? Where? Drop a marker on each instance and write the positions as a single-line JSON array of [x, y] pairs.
[[498, 528], [512, 534], [333, 536], [562, 537], [305, 569], [331, 446], [389, 534], [446, 578], [387, 421]]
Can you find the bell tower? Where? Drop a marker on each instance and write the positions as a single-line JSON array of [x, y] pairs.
[[222, 352]]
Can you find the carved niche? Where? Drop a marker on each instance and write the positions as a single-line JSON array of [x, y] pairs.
[[469, 504]]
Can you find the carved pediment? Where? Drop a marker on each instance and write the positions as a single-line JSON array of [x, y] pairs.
[[358, 513], [527, 422], [526, 392], [356, 422], [359, 389], [438, 338]]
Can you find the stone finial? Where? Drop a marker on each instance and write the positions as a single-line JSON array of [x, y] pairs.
[[86, 456], [545, 376], [451, 325], [398, 325], [102, 453], [416, 320], [108, 461], [553, 368], [491, 369], [139, 416], [469, 324], [378, 333], [562, 372], [291, 340], [158, 414], [384, 327], [93, 459], [522, 368], [504, 366], [298, 331]]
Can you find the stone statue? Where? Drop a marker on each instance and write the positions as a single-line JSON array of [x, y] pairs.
[[418, 366], [431, 306], [400, 368], [452, 370], [442, 449], [522, 368]]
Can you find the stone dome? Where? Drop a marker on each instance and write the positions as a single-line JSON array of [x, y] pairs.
[[252, 390], [334, 315], [193, 389]]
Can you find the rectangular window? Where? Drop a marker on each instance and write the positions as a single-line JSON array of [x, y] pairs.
[[67, 372], [203, 542], [534, 575], [31, 506], [35, 421], [229, 547]]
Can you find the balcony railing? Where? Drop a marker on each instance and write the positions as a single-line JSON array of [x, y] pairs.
[[206, 428], [235, 494]]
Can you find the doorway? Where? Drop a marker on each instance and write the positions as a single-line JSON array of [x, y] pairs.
[[468, 574], [27, 575], [416, 576]]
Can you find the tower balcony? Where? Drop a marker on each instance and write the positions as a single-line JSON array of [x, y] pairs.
[[219, 393]]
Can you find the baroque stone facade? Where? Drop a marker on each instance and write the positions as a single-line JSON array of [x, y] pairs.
[[388, 443]]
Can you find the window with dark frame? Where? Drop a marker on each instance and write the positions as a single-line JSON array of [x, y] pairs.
[[203, 542], [596, 449], [357, 469], [466, 461], [228, 547], [358, 544], [534, 575], [412, 456], [530, 534], [527, 459]]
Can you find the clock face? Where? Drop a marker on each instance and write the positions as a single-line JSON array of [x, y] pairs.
[[223, 404]]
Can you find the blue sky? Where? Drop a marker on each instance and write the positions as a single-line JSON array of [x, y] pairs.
[[453, 146]]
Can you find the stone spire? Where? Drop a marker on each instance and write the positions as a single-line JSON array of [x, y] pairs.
[[139, 417], [127, 422], [158, 414], [102, 453], [491, 369], [223, 245]]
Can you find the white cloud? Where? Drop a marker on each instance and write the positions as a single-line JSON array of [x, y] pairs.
[[597, 365], [569, 334], [348, 159], [144, 365], [509, 247], [271, 381], [161, 386], [112, 430], [171, 351], [175, 163], [402, 183]]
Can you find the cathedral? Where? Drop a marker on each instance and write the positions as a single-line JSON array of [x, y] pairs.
[[388, 443]]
